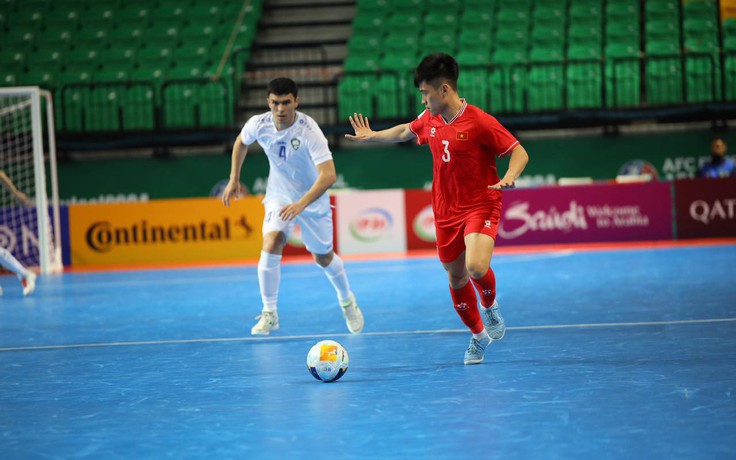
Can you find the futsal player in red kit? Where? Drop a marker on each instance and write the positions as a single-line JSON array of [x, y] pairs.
[[466, 190]]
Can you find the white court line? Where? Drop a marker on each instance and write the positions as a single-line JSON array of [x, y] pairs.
[[310, 273], [369, 334]]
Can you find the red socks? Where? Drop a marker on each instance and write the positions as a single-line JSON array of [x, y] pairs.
[[466, 306], [486, 287]]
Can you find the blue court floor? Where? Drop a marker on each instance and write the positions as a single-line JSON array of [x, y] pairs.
[[608, 354]]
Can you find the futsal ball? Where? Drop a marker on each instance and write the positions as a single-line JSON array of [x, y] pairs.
[[327, 361]]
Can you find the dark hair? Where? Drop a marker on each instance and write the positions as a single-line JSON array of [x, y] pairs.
[[435, 67], [282, 87]]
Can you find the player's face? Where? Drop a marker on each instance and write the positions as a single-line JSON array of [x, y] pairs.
[[283, 107], [434, 98], [718, 147]]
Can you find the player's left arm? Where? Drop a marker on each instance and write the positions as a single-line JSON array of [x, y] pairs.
[[517, 163], [326, 176], [10, 187]]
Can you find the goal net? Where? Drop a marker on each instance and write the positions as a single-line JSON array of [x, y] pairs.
[[29, 215]]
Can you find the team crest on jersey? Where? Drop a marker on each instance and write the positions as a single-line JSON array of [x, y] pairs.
[[432, 131], [295, 143]]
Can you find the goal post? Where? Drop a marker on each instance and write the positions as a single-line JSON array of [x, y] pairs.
[[29, 216]]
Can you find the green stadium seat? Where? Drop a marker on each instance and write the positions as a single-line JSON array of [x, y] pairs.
[[392, 94], [83, 58], [445, 5], [441, 20], [473, 40], [623, 11], [368, 24], [513, 39], [662, 48], [547, 37], [518, 19], [45, 78], [585, 13], [438, 42], [664, 80], [662, 9], [550, 14], [91, 36], [729, 27], [703, 79], [700, 9], [729, 43], [111, 74], [470, 57], [625, 33], [474, 85], [361, 63], [623, 76], [584, 33], [545, 89], [729, 83], [50, 58], [584, 80], [508, 80], [355, 95], [406, 21], [475, 20], [401, 42], [583, 51], [661, 30], [103, 108], [702, 44], [154, 55]]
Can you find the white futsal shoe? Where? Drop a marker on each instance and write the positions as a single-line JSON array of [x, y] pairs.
[[493, 321], [29, 283], [267, 321], [353, 315]]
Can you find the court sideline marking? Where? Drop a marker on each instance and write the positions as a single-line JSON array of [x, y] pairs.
[[367, 334]]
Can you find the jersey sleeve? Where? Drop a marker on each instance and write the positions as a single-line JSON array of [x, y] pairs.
[[249, 132], [319, 151], [417, 127], [501, 140]]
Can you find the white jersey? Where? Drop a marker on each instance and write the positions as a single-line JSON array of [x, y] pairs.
[[293, 155]]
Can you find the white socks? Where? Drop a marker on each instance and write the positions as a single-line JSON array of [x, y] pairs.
[[9, 261], [269, 277], [335, 272], [482, 335]]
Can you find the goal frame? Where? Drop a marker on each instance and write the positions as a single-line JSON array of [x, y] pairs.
[[49, 244]]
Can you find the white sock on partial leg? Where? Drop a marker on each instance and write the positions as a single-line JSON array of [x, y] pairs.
[[269, 277], [335, 272], [9, 261]]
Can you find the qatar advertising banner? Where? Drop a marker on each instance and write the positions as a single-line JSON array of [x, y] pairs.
[[371, 222], [420, 232], [586, 213], [705, 208]]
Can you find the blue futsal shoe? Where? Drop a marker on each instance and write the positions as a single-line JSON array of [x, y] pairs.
[[493, 321], [476, 350]]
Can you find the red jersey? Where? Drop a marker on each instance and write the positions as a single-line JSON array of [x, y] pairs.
[[464, 152]]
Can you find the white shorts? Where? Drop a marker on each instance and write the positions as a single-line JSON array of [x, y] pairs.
[[316, 228]]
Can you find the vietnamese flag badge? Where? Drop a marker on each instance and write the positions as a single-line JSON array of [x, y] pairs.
[[462, 136]]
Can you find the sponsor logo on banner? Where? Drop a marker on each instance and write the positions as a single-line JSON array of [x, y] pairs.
[[705, 208], [711, 211], [587, 213], [371, 225], [636, 167], [423, 225], [159, 231], [103, 236]]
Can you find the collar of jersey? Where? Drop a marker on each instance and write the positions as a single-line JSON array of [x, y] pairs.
[[457, 115]]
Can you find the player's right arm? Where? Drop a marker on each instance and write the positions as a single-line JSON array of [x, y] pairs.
[[10, 187], [234, 189], [364, 133]]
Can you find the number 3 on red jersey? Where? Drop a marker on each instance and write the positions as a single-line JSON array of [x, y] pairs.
[[446, 155]]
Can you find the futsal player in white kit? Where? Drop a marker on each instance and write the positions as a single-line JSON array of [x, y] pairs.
[[301, 170]]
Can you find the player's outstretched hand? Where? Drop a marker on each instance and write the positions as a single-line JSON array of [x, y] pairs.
[[234, 190], [503, 184], [362, 127]]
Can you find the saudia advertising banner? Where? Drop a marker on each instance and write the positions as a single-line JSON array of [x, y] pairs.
[[164, 231], [705, 208], [591, 213]]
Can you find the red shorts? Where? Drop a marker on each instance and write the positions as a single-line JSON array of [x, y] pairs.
[[451, 238]]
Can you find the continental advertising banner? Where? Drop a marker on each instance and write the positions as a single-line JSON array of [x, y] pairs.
[[371, 222], [705, 208], [590, 213], [165, 231]]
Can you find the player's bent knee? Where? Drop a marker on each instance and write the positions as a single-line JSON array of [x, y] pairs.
[[323, 260]]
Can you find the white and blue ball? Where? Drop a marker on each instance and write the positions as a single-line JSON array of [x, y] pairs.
[[328, 361]]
